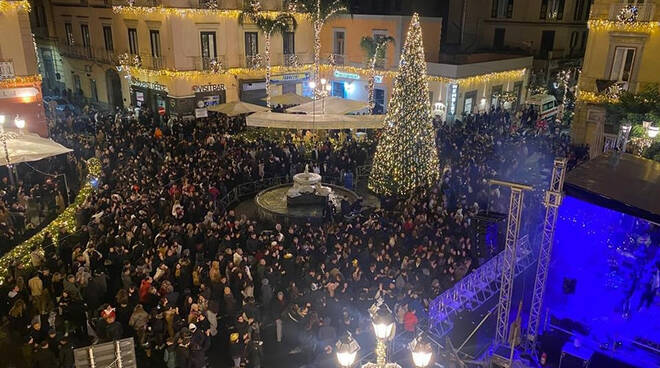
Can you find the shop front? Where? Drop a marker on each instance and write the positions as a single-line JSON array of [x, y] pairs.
[[254, 90], [353, 86], [150, 95]]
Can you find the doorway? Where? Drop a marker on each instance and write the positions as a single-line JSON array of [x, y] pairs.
[[113, 87], [547, 43]]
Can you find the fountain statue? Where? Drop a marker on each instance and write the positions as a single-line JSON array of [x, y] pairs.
[[307, 190]]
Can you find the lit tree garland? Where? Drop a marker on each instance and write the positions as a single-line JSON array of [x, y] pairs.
[[319, 11], [268, 24], [375, 49], [407, 156]]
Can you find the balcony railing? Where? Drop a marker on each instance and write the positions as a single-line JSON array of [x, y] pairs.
[[645, 12], [204, 63], [87, 53]]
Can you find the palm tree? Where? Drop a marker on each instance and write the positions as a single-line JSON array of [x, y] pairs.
[[375, 50], [269, 25], [319, 11]]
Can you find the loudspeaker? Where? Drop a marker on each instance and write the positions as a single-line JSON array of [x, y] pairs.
[[569, 286]]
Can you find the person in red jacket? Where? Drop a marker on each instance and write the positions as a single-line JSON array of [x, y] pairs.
[[144, 289], [410, 321]]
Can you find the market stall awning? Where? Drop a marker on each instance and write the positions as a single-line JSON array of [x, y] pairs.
[[30, 147], [237, 108], [332, 105], [288, 99], [321, 121]]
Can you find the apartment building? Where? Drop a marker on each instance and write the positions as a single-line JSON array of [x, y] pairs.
[[178, 55], [621, 51], [553, 31], [20, 83]]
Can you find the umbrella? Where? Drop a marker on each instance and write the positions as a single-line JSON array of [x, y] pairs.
[[237, 108], [332, 105], [30, 147], [288, 99]]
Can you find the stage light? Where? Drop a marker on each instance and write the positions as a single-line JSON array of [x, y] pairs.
[[347, 349], [652, 132]]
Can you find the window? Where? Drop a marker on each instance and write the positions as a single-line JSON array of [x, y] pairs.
[[580, 7], [468, 102], [574, 40], [623, 63], [251, 44], [208, 45], [84, 30], [93, 91], [552, 9], [338, 44], [154, 36], [339, 39], [502, 9], [547, 42], [68, 31], [338, 89], [132, 41], [498, 38], [289, 43], [77, 87], [107, 36]]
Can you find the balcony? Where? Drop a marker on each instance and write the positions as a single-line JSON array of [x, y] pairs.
[[146, 3], [645, 12], [203, 63], [87, 53]]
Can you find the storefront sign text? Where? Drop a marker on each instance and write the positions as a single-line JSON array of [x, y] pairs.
[[340, 74], [453, 98], [208, 88], [289, 77], [149, 85]]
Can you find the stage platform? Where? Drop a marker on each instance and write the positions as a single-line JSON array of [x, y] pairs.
[[602, 250]]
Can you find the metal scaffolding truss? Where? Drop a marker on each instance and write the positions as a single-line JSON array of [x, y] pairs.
[[509, 259], [552, 201], [472, 291]]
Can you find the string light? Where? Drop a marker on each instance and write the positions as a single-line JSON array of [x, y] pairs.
[[27, 80], [66, 220], [141, 11], [595, 98], [611, 25], [9, 6], [407, 157]]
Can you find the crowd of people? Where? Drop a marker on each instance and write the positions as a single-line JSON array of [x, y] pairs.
[[157, 259]]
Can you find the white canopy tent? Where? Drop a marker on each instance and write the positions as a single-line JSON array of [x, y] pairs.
[[236, 108], [288, 99], [30, 147], [331, 105], [322, 121]]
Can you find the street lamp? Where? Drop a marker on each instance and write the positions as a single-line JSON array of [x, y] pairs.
[[20, 123], [383, 322], [652, 132], [7, 136], [347, 349], [421, 351]]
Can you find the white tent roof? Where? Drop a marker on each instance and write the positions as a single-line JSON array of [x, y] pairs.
[[333, 105], [31, 147], [288, 99], [236, 108], [320, 121]]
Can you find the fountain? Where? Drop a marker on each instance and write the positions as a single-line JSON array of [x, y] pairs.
[[304, 200]]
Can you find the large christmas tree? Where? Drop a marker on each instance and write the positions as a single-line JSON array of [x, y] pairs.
[[407, 157]]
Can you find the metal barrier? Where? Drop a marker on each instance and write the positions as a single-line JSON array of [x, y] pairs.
[[473, 290]]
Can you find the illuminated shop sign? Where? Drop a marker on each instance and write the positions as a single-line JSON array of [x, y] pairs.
[[453, 98], [208, 88], [149, 85], [340, 74]]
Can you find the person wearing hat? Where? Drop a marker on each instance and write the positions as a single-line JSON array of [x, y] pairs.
[[199, 344], [236, 348]]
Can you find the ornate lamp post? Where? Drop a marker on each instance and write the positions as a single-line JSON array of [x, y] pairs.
[[347, 349], [383, 322], [421, 351]]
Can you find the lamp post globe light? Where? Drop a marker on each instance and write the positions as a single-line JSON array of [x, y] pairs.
[[20, 123], [652, 132], [347, 349], [421, 351]]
